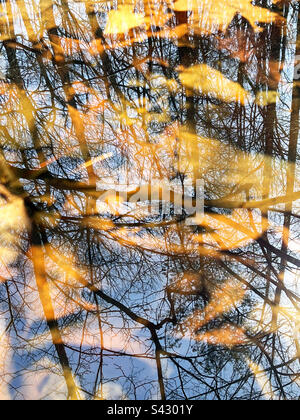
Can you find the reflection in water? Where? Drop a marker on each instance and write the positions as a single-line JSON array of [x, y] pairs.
[[102, 297]]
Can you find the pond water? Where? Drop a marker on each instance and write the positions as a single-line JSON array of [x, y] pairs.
[[149, 199]]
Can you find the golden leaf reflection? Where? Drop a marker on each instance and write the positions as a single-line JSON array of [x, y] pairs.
[[222, 300], [122, 20], [210, 81], [149, 199], [226, 336], [219, 14], [5, 363]]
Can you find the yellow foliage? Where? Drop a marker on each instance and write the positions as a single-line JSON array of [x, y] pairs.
[[209, 81], [223, 300], [267, 98], [225, 232], [5, 361], [122, 20], [227, 336], [262, 379], [96, 160], [210, 15], [13, 219]]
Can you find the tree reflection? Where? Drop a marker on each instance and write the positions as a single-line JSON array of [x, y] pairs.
[[102, 297]]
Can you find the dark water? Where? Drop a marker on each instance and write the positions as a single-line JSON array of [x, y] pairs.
[[149, 185]]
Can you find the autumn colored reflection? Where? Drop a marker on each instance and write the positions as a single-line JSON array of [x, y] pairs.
[[112, 285]]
